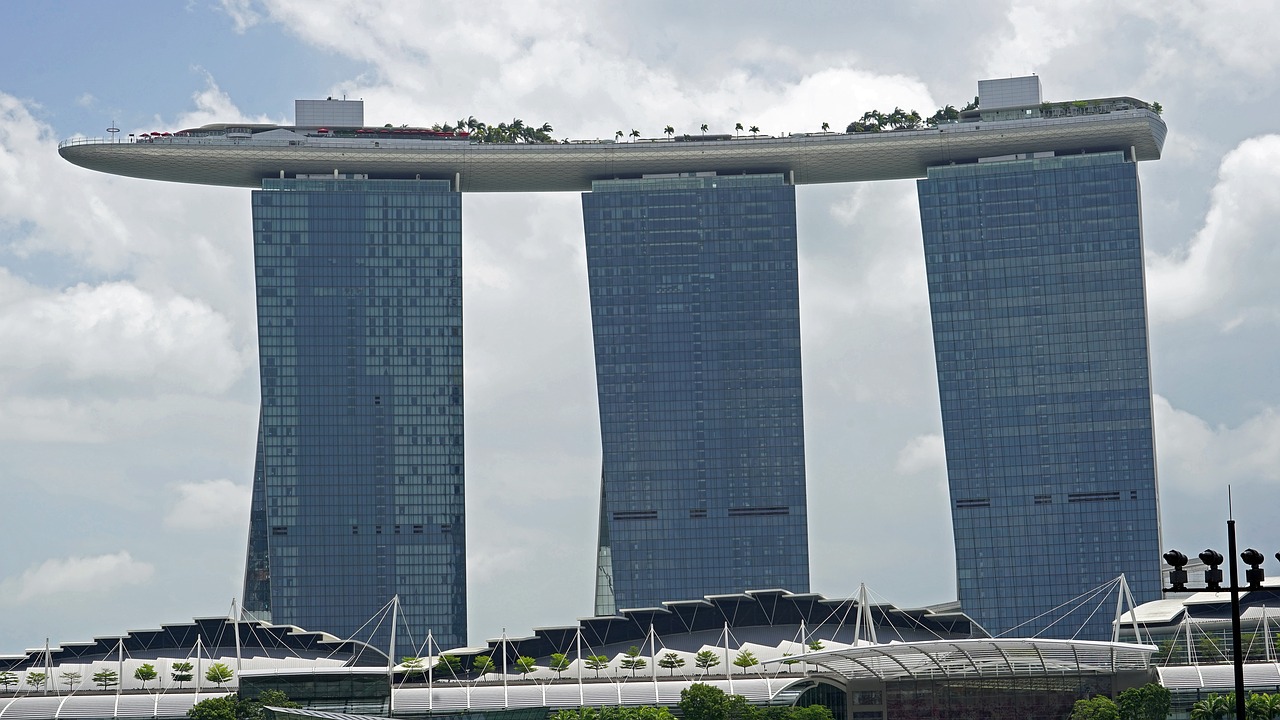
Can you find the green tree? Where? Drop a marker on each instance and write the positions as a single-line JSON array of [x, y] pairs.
[[1210, 650], [632, 661], [700, 701], [634, 134], [617, 135], [559, 663], [737, 128], [706, 659], [252, 709], [70, 678], [181, 672], [1157, 108], [754, 130], [222, 707], [812, 712], [448, 665], [597, 663], [413, 665], [826, 127], [1100, 707], [704, 128], [671, 661], [816, 645], [1261, 706], [1252, 644], [145, 673], [525, 664], [218, 673], [736, 707], [669, 131], [946, 114], [36, 680], [1149, 702], [8, 679], [104, 679], [236, 707], [482, 664], [745, 659], [1213, 707]]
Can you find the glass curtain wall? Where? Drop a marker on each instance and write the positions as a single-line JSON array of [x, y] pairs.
[[358, 487], [695, 314], [1035, 272]]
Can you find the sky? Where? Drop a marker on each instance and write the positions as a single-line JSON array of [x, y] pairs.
[[128, 353]]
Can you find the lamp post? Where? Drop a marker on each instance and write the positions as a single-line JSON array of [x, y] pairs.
[[1213, 583]]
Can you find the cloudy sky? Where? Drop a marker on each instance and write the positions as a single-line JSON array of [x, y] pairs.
[[128, 357]]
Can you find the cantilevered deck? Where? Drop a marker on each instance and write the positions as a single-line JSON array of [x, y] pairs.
[[551, 167]]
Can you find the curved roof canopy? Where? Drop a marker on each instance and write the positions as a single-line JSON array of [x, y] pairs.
[[542, 167], [987, 657]]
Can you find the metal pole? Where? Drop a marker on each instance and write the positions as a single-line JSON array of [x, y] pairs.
[[1235, 621]]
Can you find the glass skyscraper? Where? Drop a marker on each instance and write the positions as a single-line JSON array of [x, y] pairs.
[[358, 485], [695, 314], [1035, 272]]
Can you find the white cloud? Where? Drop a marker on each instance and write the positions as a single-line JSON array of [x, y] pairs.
[[1199, 459], [208, 505], [1204, 42], [113, 332], [1227, 270], [1036, 31], [923, 452], [214, 105], [242, 14], [97, 574]]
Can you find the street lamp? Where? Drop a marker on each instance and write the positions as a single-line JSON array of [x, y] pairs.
[[1213, 583]]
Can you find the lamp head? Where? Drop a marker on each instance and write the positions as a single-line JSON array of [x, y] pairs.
[[1212, 558]]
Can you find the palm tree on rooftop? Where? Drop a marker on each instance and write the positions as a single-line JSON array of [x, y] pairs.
[[826, 126], [669, 131], [737, 128], [618, 135], [704, 128], [634, 134], [754, 130]]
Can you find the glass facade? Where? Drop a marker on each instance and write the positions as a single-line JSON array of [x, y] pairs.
[[695, 314], [1035, 271], [358, 484]]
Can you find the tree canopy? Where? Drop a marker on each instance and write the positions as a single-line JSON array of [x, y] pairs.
[[234, 707], [218, 673], [513, 132], [482, 665], [104, 679], [1149, 702], [705, 702], [1095, 708], [145, 673], [705, 660], [632, 661]]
